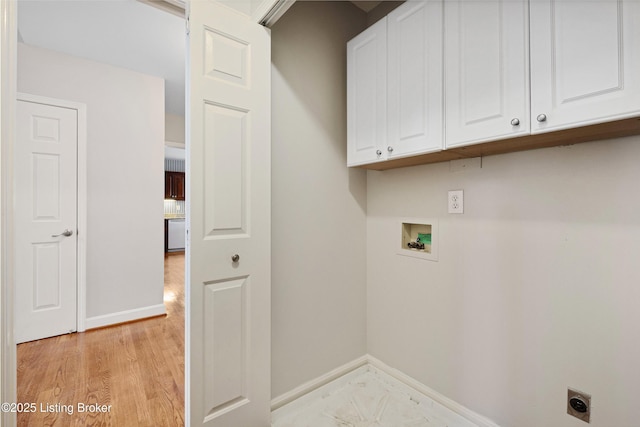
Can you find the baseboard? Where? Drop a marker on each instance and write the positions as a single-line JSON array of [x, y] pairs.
[[452, 405], [370, 362], [124, 316], [316, 383]]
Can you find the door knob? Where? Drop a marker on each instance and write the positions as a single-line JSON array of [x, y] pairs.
[[390, 149], [65, 233], [515, 122], [235, 258], [379, 153], [541, 118]]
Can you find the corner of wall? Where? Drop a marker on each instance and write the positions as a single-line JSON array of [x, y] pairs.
[[318, 204]]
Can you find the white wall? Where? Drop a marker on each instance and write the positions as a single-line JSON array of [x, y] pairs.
[[536, 289], [174, 130], [318, 205], [125, 150]]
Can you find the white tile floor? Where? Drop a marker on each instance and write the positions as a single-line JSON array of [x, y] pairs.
[[366, 397]]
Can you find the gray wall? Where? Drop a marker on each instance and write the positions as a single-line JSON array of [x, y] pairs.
[[318, 205], [174, 130], [536, 287], [382, 10], [125, 184]]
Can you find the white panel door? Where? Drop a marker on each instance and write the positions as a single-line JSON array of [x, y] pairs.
[[229, 299], [486, 70], [585, 62], [367, 95], [45, 160], [414, 55]]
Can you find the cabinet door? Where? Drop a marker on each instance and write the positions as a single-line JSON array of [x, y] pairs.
[[174, 185], [486, 70], [415, 79], [178, 185], [366, 95], [585, 62], [168, 189]]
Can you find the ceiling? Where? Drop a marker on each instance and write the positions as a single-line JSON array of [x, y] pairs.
[[366, 5], [174, 153], [123, 33]]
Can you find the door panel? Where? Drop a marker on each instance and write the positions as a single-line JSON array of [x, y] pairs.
[[46, 276], [46, 205], [46, 186], [584, 62], [226, 321], [486, 71], [228, 337], [415, 78], [367, 95], [225, 178]]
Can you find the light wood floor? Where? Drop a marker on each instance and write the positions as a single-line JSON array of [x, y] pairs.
[[137, 368]]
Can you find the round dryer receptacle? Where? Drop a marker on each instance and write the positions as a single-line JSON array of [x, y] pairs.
[[578, 404]]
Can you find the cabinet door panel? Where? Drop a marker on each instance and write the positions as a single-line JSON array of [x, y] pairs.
[[415, 76], [179, 179], [174, 185], [366, 94], [167, 186], [585, 62], [486, 71]]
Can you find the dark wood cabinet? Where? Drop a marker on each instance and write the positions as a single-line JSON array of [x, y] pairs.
[[174, 185]]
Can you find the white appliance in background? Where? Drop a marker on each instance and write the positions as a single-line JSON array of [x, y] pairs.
[[176, 234]]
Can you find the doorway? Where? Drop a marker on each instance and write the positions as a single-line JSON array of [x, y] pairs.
[[127, 375], [119, 194], [50, 209], [230, 67]]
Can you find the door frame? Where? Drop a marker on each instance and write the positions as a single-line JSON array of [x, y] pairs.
[[81, 197], [271, 11], [8, 89], [8, 105]]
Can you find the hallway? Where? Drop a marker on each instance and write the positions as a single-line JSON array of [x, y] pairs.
[[133, 372]]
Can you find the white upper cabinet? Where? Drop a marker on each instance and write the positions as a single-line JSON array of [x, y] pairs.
[[435, 80], [367, 95], [414, 85], [585, 62], [486, 70]]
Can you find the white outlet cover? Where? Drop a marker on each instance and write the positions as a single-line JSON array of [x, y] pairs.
[[456, 201]]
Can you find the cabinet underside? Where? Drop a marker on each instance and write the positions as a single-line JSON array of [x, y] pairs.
[[608, 130]]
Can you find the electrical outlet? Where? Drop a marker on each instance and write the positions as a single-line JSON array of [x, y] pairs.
[[456, 201], [579, 405]]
